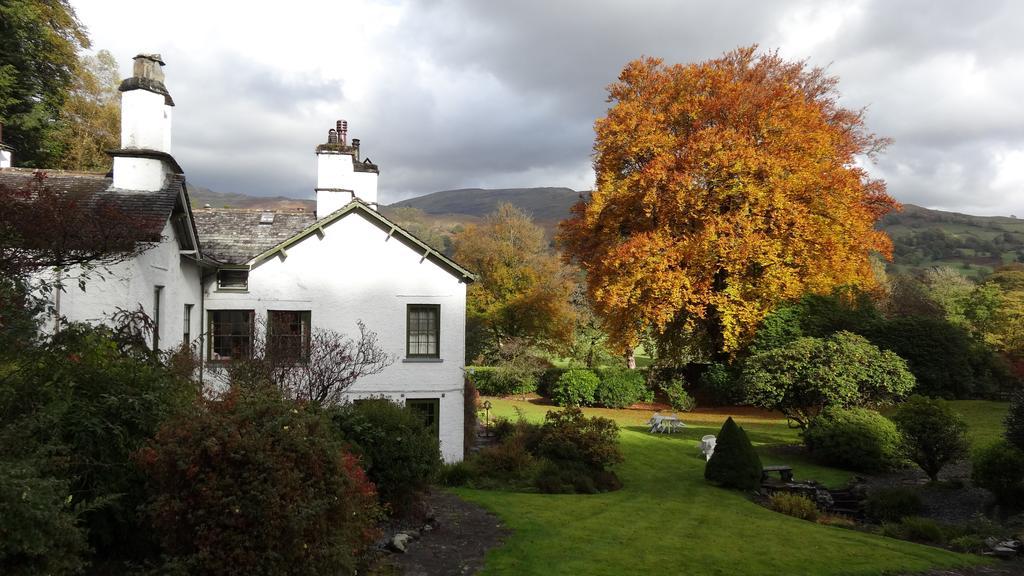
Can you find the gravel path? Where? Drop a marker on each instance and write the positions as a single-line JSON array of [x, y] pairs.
[[464, 534]]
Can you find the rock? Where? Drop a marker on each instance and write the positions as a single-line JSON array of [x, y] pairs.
[[426, 528], [400, 541]]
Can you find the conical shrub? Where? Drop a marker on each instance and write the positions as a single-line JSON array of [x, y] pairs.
[[734, 464]]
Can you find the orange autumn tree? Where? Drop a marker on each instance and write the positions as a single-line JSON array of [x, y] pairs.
[[724, 188]]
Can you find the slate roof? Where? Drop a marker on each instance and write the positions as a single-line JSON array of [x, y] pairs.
[[235, 236], [150, 210]]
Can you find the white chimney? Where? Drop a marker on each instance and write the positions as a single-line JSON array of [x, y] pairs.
[[144, 160], [341, 174]]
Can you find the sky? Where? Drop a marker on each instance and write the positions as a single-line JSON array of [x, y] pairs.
[[493, 94]]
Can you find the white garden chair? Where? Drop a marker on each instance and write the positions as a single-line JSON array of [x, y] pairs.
[[707, 446]]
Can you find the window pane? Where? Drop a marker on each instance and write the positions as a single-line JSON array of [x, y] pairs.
[[230, 334], [423, 330], [288, 332]]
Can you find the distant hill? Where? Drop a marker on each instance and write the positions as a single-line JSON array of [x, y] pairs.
[[201, 196], [922, 237]]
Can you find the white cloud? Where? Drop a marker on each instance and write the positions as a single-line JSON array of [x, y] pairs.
[[459, 93]]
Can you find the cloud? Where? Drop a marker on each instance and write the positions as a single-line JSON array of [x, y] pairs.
[[462, 93]]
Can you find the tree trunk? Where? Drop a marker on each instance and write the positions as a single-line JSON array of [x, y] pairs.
[[630, 359]]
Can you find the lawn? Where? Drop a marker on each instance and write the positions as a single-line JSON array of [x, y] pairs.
[[668, 519]]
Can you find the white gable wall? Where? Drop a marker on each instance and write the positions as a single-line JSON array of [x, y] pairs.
[[132, 283], [355, 272]]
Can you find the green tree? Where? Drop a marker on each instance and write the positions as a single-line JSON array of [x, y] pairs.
[[735, 463], [523, 291], [933, 434], [39, 43], [803, 378]]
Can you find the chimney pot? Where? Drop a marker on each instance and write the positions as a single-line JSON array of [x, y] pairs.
[[355, 144], [148, 66], [332, 136]]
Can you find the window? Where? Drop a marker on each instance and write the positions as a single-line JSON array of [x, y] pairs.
[[230, 334], [423, 329], [288, 334], [157, 290], [430, 409], [232, 279], [186, 337]]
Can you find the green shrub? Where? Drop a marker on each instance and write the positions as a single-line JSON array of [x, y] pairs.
[[508, 464], [569, 436], [455, 474], [502, 380], [677, 395], [547, 380], [854, 439], [399, 452], [734, 463], [722, 385], [795, 505], [576, 387], [803, 378], [892, 504], [1014, 420], [933, 434], [39, 532], [999, 468], [969, 543], [916, 529], [621, 388], [256, 485], [80, 406]]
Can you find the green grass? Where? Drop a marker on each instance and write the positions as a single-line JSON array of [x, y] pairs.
[[667, 519], [984, 420]]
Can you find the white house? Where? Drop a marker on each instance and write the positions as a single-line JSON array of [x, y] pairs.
[[214, 275]]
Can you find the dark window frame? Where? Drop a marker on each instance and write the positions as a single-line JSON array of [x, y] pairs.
[[409, 309], [435, 403], [305, 324], [237, 287], [157, 294], [186, 335], [213, 336]]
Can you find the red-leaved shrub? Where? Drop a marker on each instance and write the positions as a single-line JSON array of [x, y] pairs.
[[253, 484]]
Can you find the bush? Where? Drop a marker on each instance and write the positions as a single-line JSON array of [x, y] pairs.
[[916, 529], [79, 407], [622, 388], [933, 434], [1014, 421], [734, 464], [944, 359], [576, 387], [999, 468], [855, 439], [677, 395], [257, 485], [502, 380], [455, 474], [470, 406], [569, 436], [399, 452], [892, 504], [505, 465], [795, 505], [723, 387], [39, 532], [547, 380], [808, 375]]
